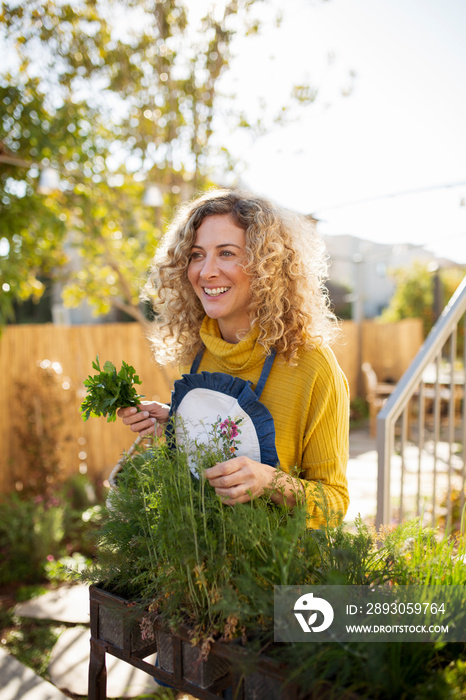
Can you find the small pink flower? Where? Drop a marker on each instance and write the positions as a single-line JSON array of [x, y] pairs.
[[229, 428], [50, 557]]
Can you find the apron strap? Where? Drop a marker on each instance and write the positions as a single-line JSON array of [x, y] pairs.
[[265, 372], [267, 366], [197, 361]]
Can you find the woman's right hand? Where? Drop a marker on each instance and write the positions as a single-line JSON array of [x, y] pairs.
[[145, 417]]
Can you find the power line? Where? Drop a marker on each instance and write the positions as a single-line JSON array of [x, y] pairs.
[[404, 193]]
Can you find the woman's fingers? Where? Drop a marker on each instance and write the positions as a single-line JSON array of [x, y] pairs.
[[159, 411], [142, 419], [239, 479], [224, 473], [138, 421], [144, 424]]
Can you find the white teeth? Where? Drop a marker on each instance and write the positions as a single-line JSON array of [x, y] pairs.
[[215, 292]]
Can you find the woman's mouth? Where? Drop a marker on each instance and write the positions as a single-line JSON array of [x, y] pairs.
[[216, 291]]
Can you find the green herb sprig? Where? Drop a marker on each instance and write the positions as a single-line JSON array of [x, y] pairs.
[[109, 390]]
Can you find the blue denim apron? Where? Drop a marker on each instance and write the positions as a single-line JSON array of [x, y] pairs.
[[199, 400]]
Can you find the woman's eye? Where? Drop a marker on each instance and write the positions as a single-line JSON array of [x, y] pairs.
[[226, 253]]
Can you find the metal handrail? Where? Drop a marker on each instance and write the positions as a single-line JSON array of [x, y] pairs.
[[409, 383]]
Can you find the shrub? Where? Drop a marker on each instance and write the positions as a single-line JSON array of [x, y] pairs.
[[34, 531]]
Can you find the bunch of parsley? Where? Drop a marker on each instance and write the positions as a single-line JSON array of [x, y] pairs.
[[109, 390]]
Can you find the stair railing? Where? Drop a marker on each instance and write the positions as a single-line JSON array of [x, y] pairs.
[[421, 429]]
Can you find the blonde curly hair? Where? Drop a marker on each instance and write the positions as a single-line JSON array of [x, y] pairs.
[[285, 259]]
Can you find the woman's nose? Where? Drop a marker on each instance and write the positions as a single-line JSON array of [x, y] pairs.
[[209, 268]]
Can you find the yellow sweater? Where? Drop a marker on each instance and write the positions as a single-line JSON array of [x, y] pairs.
[[309, 403]]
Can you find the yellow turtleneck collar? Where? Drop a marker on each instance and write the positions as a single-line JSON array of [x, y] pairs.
[[232, 357]]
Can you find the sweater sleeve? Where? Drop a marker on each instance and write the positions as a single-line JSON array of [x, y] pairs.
[[326, 446]]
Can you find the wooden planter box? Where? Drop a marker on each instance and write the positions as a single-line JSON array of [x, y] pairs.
[[116, 630], [203, 673]]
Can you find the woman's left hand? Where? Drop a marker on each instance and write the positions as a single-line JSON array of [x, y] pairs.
[[240, 479]]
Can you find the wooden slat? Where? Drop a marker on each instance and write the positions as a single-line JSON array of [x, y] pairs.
[[22, 347]]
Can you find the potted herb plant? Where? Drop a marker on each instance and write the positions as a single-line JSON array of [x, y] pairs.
[[194, 578]]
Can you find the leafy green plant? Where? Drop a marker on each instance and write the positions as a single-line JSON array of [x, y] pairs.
[[109, 390], [408, 554], [168, 540], [170, 544], [166, 530], [66, 568], [29, 532], [35, 532]]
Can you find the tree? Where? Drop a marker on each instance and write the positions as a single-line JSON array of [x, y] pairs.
[[32, 226], [113, 94], [415, 290]]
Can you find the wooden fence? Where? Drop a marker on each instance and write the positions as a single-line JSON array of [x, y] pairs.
[[43, 366]]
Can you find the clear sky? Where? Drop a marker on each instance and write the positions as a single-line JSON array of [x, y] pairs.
[[401, 129]]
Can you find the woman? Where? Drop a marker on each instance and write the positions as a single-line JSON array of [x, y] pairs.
[[237, 279]]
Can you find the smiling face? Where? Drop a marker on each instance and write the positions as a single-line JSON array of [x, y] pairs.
[[217, 275]]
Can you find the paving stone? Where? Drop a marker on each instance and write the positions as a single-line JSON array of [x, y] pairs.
[[69, 603], [18, 682], [69, 666]]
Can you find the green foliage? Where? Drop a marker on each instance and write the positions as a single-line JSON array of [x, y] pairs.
[[169, 543], [168, 539], [418, 556], [114, 236], [33, 225], [455, 678], [30, 531], [66, 568], [35, 533], [113, 94], [382, 671], [101, 91], [414, 295], [109, 390], [407, 554], [167, 531]]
